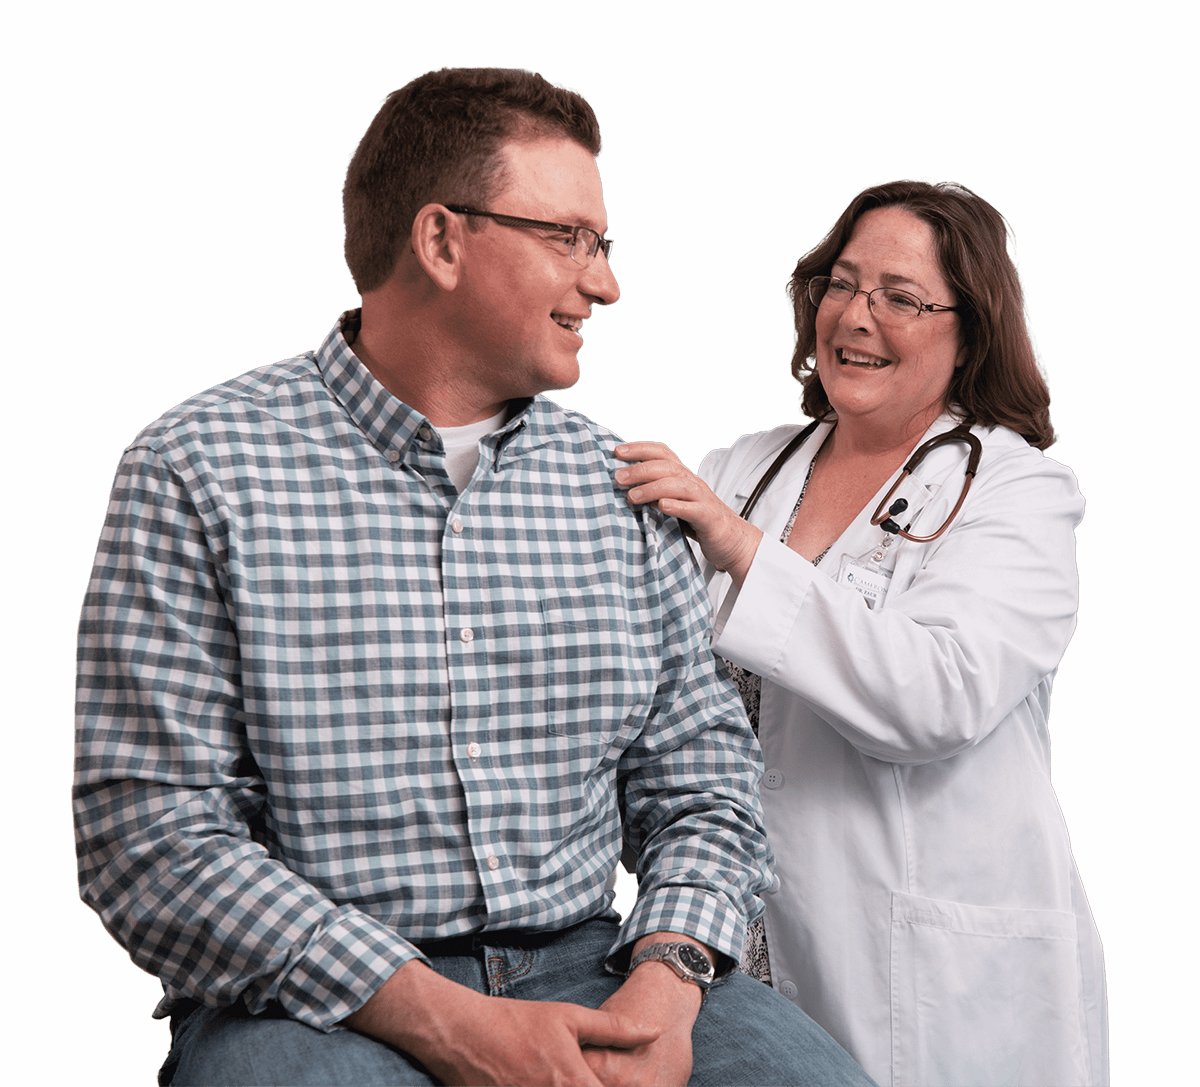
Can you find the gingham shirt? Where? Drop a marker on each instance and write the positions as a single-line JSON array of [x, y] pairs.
[[328, 705]]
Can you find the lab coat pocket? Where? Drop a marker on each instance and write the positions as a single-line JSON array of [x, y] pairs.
[[984, 995]]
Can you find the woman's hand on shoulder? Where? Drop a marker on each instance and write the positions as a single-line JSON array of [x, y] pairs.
[[656, 476]]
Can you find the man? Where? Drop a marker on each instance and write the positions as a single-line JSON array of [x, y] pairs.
[[375, 658]]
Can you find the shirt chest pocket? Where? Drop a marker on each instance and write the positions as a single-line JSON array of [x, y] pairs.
[[601, 662]]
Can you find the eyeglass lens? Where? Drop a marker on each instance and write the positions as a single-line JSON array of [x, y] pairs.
[[587, 244], [886, 302]]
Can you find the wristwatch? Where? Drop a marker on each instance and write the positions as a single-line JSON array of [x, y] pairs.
[[687, 960]]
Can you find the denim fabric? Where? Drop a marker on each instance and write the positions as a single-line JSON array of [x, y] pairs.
[[746, 1033]]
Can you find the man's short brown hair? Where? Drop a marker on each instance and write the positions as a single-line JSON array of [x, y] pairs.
[[437, 139]]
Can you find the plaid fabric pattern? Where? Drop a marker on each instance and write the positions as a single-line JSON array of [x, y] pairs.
[[329, 707]]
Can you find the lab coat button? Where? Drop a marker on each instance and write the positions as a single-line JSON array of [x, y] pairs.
[[774, 888], [773, 779], [788, 989]]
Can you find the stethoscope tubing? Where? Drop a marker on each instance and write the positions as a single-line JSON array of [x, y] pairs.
[[884, 514]]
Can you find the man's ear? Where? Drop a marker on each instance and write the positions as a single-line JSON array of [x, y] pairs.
[[437, 243]]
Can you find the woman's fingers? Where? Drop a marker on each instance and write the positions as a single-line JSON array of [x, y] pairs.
[[645, 451], [652, 463], [655, 475]]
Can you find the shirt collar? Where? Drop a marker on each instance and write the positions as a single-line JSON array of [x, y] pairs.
[[387, 421]]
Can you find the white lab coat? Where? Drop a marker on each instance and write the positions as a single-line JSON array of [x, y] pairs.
[[928, 912]]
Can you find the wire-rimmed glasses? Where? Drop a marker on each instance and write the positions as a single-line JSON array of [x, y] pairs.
[[582, 243], [890, 304]]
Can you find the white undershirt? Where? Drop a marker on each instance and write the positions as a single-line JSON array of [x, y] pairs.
[[462, 446]]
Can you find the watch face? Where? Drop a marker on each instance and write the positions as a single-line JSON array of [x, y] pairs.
[[695, 960]]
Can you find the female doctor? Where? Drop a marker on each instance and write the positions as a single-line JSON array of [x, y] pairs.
[[897, 646]]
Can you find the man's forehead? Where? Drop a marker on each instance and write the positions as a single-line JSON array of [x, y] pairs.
[[553, 178]]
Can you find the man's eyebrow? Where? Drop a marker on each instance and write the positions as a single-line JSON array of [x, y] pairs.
[[575, 217], [584, 220]]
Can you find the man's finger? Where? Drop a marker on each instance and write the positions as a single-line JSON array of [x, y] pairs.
[[597, 1028]]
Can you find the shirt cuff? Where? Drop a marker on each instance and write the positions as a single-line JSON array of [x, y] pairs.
[[341, 968], [703, 916]]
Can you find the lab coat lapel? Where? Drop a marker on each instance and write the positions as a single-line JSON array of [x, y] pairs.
[[777, 502]]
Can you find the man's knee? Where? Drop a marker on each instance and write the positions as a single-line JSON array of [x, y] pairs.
[[229, 1046], [748, 1033]]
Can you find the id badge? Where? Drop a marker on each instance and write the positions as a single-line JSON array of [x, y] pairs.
[[868, 581]]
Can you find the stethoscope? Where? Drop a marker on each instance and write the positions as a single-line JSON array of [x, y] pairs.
[[882, 517]]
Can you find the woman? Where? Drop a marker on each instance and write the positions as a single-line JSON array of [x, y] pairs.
[[927, 911]]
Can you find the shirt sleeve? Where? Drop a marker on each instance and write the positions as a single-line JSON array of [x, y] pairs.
[[169, 803], [985, 620], [689, 785]]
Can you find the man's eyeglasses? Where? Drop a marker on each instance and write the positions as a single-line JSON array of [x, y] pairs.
[[888, 304], [581, 243]]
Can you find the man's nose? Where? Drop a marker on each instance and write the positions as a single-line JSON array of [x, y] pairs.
[[599, 282]]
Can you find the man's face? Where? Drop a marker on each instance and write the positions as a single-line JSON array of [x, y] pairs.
[[524, 299]]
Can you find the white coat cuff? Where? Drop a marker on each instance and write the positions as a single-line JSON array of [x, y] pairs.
[[755, 622]]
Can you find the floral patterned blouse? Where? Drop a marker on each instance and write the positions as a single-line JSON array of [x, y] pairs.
[[755, 959]]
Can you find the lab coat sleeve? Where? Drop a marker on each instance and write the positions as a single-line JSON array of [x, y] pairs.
[[959, 642]]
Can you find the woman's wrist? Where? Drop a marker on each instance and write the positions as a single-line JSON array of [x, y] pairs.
[[742, 557]]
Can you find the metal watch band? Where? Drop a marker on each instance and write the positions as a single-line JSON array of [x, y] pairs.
[[686, 959]]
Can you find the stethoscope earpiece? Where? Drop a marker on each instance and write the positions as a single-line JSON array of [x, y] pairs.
[[899, 506]]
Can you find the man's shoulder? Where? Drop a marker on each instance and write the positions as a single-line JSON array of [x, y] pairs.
[[226, 407], [573, 427]]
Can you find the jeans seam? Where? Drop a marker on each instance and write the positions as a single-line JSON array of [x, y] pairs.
[[497, 980]]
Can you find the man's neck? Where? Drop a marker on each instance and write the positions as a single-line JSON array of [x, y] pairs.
[[424, 382]]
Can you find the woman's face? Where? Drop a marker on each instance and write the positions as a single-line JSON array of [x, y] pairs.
[[889, 377]]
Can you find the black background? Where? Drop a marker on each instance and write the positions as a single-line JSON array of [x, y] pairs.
[[214, 246]]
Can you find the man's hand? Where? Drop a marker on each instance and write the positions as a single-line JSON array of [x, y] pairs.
[[464, 1037], [658, 999]]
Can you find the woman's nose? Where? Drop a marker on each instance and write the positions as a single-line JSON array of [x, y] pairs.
[[857, 312]]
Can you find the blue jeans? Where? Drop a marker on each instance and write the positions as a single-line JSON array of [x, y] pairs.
[[745, 1033]]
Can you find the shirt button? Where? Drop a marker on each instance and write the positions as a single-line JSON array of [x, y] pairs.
[[393, 455], [424, 433], [473, 749], [456, 524], [774, 888], [467, 634], [493, 863], [772, 779], [788, 989]]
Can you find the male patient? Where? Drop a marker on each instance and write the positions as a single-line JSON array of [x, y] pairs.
[[376, 659]]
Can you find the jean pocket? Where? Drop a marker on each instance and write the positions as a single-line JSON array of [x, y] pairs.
[[984, 995]]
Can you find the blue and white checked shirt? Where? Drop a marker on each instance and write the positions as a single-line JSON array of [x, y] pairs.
[[328, 705]]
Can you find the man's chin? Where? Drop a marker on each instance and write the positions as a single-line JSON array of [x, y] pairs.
[[560, 377]]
